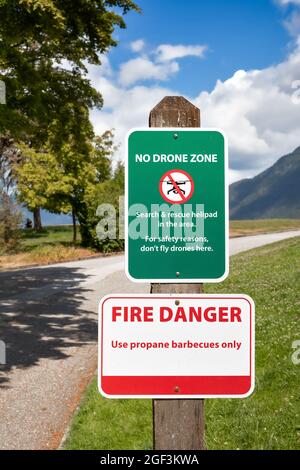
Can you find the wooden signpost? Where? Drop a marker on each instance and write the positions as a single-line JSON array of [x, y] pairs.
[[177, 424], [149, 345]]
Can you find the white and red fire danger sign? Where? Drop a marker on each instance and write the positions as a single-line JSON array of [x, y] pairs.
[[176, 346]]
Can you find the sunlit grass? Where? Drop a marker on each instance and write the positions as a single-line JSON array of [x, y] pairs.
[[270, 418], [52, 245], [240, 228]]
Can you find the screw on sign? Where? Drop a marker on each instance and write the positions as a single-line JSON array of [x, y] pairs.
[[176, 186]]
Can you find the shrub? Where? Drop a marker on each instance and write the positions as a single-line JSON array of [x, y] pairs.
[[107, 192]]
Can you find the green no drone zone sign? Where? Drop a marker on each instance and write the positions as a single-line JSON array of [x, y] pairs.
[[177, 205]]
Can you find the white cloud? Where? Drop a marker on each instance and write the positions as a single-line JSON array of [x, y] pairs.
[[142, 68], [138, 45], [167, 52], [159, 65], [292, 24], [126, 108], [95, 72], [255, 108], [258, 113], [288, 2]]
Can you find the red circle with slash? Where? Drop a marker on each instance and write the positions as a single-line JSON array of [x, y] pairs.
[[176, 186]]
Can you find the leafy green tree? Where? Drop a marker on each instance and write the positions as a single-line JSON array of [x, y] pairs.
[[37, 39], [45, 46], [39, 177], [83, 157], [61, 181], [107, 193]]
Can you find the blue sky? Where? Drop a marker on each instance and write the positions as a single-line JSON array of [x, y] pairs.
[[238, 33], [238, 60]]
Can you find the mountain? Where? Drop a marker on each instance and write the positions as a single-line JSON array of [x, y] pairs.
[[274, 193]]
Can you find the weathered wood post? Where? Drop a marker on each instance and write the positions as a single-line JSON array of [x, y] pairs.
[[177, 424]]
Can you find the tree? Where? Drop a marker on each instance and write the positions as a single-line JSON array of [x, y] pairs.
[[83, 157], [106, 193], [60, 178], [37, 39], [39, 177]]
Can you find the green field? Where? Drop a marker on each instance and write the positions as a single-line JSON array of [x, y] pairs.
[[62, 234], [251, 227], [52, 245], [270, 418], [49, 235]]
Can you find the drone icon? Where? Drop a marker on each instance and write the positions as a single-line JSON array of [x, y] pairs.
[[175, 186]]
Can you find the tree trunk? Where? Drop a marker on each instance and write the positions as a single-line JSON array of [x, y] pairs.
[[37, 221], [74, 226]]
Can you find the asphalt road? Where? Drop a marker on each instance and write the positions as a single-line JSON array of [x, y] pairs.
[[49, 324]]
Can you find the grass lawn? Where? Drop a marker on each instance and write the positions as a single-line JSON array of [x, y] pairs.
[[270, 418], [239, 228], [51, 234], [52, 245]]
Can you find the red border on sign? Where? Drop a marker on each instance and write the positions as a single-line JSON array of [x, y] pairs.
[[176, 385], [166, 385], [184, 199]]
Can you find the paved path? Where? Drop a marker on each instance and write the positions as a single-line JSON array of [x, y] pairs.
[[49, 323], [237, 245]]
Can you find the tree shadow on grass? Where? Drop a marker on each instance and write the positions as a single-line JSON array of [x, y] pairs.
[[42, 315]]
